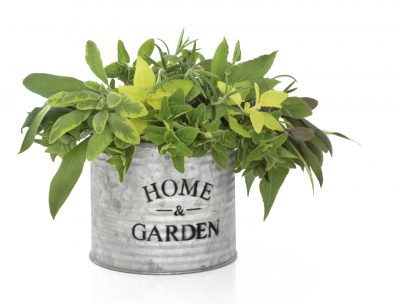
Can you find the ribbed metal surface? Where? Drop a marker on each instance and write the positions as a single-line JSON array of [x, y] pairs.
[[194, 231]]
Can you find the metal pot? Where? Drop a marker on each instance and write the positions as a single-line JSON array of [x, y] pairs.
[[160, 221]]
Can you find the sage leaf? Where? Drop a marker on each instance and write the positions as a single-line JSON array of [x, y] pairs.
[[99, 121], [219, 61], [302, 133], [235, 126], [89, 105], [65, 99], [123, 129], [48, 84], [130, 108], [33, 128], [319, 134], [113, 99], [179, 163], [113, 70], [117, 162], [249, 177], [187, 134], [252, 69], [311, 102], [220, 157], [312, 161], [123, 56], [66, 123], [155, 134], [237, 53], [66, 177], [31, 116], [94, 61], [146, 49], [270, 185], [98, 142], [296, 107], [94, 86], [260, 119]]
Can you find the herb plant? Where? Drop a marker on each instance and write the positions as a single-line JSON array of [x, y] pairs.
[[185, 104]]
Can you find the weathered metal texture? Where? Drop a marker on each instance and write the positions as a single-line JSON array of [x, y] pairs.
[[137, 227]]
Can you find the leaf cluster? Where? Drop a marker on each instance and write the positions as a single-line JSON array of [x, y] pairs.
[[184, 103]]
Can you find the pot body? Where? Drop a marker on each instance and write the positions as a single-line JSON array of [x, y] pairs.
[[160, 221]]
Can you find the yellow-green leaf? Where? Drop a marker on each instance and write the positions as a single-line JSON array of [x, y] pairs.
[[99, 121], [260, 119], [64, 99], [144, 76], [123, 129], [272, 98], [130, 108], [66, 123], [133, 92], [113, 99], [235, 126], [87, 104], [173, 85]]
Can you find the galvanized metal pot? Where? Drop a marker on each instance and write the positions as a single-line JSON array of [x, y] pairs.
[[159, 221]]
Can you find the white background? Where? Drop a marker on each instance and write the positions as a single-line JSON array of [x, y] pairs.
[[340, 245]]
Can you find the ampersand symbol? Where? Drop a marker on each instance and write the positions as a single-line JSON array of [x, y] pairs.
[[179, 211]]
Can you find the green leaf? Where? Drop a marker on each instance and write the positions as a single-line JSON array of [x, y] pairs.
[[235, 126], [47, 84], [220, 157], [312, 161], [98, 142], [178, 110], [187, 134], [117, 162], [123, 129], [66, 177], [319, 134], [99, 121], [219, 61], [113, 99], [155, 134], [311, 102], [249, 177], [31, 116], [146, 49], [302, 133], [66, 123], [89, 105], [113, 70], [123, 56], [94, 86], [252, 69], [130, 108], [94, 61], [33, 128], [180, 149], [65, 99], [295, 107], [339, 135], [179, 163], [270, 185], [237, 53], [198, 114]]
